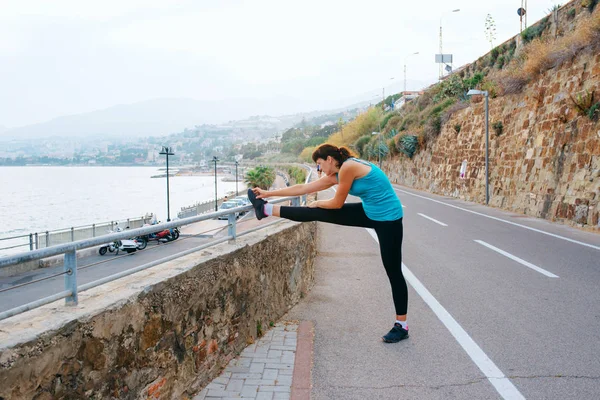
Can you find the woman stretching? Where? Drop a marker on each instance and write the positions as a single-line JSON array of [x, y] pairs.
[[380, 209]]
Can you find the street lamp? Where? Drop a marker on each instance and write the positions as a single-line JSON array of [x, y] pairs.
[[167, 151], [405, 67], [485, 94], [236, 177], [383, 109], [215, 160], [441, 52]]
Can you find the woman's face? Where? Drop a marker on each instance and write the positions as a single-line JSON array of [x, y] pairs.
[[328, 166]]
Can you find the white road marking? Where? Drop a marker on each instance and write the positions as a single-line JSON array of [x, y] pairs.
[[503, 220], [517, 259], [431, 219], [496, 377]]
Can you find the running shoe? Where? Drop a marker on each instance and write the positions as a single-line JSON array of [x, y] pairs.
[[258, 204], [396, 334]]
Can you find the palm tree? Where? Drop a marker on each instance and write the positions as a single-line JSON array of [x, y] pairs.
[[261, 176]]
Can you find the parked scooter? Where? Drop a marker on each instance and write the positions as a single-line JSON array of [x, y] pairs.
[[166, 235], [126, 245]]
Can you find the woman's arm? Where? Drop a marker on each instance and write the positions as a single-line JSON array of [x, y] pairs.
[[298, 190], [346, 175]]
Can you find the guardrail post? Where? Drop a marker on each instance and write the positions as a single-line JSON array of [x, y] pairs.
[[72, 234], [93, 230], [47, 239], [37, 241], [70, 267], [30, 241], [231, 231], [296, 201]]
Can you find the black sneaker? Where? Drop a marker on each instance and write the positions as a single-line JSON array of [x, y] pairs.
[[396, 334], [257, 204]]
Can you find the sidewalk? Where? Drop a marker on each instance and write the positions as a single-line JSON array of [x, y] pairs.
[[351, 307]]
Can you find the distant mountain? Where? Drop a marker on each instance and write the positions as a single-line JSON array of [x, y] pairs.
[[156, 117]]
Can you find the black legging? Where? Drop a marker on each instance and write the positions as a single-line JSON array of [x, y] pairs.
[[388, 232]]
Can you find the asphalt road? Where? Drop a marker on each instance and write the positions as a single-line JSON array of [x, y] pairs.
[[500, 306], [95, 267]]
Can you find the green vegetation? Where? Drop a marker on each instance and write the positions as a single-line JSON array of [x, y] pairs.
[[498, 127], [408, 144], [261, 176], [296, 174], [534, 31]]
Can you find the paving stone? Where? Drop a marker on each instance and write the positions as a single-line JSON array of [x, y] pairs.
[[245, 375], [221, 393], [279, 366], [270, 374], [258, 382], [264, 396], [263, 371], [249, 391], [257, 367], [235, 385]]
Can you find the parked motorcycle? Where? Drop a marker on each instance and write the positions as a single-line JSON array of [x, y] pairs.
[[126, 245], [166, 235]]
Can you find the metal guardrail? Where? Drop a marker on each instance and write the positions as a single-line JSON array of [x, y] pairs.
[[37, 240], [70, 294]]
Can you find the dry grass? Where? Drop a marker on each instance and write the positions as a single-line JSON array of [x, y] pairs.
[[452, 109], [542, 55]]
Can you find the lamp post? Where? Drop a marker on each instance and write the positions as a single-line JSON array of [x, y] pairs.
[[236, 177], [441, 52], [383, 109], [485, 94], [405, 67], [167, 151], [215, 160]]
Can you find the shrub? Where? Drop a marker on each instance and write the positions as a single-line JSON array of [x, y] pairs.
[[408, 145], [391, 145], [451, 87], [591, 5], [498, 127], [594, 112], [451, 110], [534, 31], [472, 82], [491, 87], [512, 81], [494, 55], [386, 118], [500, 62], [360, 144], [583, 103], [457, 128], [571, 13]]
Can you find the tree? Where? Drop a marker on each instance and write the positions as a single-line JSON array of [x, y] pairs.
[[490, 29], [261, 176]]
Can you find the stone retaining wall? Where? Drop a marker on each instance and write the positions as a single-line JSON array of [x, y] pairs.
[[162, 333], [546, 160]]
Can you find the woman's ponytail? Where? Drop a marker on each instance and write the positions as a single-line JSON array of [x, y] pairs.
[[340, 154]]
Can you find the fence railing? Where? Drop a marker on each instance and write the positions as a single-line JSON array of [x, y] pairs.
[[70, 294], [38, 240]]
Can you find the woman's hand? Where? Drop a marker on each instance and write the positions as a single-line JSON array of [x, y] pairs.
[[260, 193], [314, 204]]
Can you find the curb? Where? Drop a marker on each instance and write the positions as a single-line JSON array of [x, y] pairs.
[[301, 378]]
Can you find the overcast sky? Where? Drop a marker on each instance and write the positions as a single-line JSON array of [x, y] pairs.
[[65, 57]]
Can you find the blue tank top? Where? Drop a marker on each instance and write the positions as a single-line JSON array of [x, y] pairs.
[[379, 199]]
